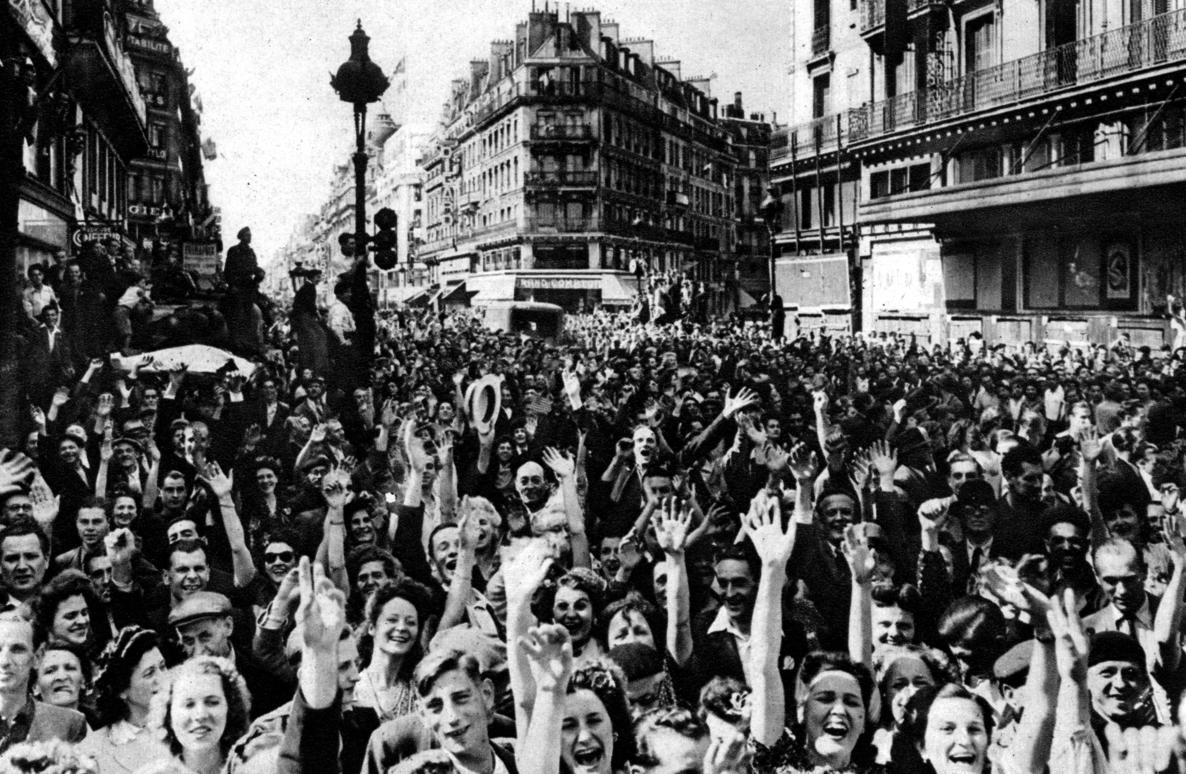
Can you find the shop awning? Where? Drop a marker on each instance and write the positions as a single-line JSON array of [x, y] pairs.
[[406, 295], [618, 290], [746, 300], [494, 289]]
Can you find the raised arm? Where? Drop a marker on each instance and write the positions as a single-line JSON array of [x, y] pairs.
[[671, 531], [523, 576], [331, 551], [550, 653], [565, 469], [1167, 625], [461, 587], [222, 484], [802, 465], [860, 613], [763, 526], [1090, 448]]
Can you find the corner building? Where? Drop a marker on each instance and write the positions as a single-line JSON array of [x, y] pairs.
[[1042, 143], [571, 162]]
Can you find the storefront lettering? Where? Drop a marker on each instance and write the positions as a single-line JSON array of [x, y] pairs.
[[560, 283]]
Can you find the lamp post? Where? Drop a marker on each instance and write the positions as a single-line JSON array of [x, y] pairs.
[[771, 211], [360, 82]]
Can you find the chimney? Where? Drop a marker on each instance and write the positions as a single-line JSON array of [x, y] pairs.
[[672, 66], [610, 30], [737, 103], [478, 68], [540, 26], [645, 50], [588, 28], [500, 66]]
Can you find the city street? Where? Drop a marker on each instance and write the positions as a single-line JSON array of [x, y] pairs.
[[502, 387]]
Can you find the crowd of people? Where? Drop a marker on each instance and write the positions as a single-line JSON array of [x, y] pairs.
[[659, 546]]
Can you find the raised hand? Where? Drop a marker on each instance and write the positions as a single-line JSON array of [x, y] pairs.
[[1145, 750], [861, 470], [734, 402], [62, 397], [933, 513], [549, 650], [628, 554], [252, 436], [561, 464], [104, 406], [121, 546], [860, 557], [1090, 446], [672, 521], [1173, 527], [15, 471], [883, 458], [528, 569], [468, 530], [220, 483], [38, 417], [727, 754], [819, 401], [1006, 584], [803, 462], [1170, 496], [317, 435], [322, 610], [334, 487], [763, 526], [177, 376]]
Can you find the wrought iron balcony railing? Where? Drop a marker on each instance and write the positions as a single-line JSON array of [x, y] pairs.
[[1143, 45]]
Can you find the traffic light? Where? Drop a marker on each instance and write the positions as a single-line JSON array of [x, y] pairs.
[[386, 239]]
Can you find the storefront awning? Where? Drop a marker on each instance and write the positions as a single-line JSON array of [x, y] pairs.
[[746, 300], [500, 288], [618, 290], [406, 295]]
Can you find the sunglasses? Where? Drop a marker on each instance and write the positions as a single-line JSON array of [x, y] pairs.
[[278, 556]]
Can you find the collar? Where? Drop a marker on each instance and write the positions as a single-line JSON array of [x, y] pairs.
[[723, 623], [1144, 616], [124, 732]]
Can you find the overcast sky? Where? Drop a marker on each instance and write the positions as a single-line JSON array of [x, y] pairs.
[[262, 69]]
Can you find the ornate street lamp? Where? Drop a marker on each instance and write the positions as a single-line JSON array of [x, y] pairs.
[[360, 82]]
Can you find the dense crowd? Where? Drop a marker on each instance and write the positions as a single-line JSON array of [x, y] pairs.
[[657, 545]]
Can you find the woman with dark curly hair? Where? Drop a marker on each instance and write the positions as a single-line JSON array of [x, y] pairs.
[[395, 618], [131, 670], [201, 713], [64, 611], [576, 602], [901, 672]]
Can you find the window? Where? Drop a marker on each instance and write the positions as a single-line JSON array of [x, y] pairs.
[[821, 102], [980, 43]]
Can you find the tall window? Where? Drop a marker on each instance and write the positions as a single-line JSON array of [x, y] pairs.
[[821, 101], [980, 43]]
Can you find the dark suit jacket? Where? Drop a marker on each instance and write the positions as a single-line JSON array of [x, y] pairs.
[[403, 737], [49, 366]]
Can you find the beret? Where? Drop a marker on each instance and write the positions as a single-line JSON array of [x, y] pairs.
[[976, 493], [1115, 646]]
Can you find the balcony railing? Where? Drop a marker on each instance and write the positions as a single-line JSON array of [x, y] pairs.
[[872, 15], [562, 225], [561, 132], [915, 6], [821, 135], [561, 179], [1145, 44], [820, 40]]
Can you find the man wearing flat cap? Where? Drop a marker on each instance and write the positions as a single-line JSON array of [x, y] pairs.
[[204, 622]]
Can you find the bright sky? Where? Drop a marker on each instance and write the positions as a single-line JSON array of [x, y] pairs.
[[262, 68]]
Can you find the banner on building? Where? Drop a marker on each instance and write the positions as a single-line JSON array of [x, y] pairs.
[[34, 18], [201, 258]]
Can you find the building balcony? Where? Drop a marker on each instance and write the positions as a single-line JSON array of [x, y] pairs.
[[820, 135], [102, 77], [916, 7], [821, 40], [1110, 55], [561, 179], [541, 133], [562, 225], [872, 17]]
